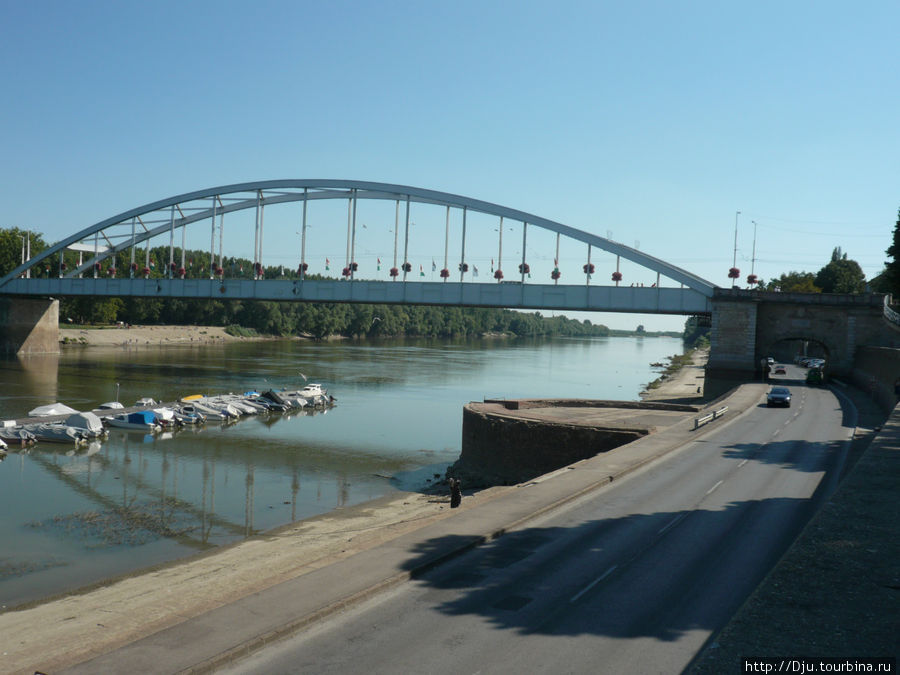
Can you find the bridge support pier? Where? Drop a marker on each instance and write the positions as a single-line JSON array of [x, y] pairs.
[[732, 354], [29, 326]]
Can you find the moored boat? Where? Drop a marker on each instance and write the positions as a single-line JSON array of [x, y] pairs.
[[143, 420]]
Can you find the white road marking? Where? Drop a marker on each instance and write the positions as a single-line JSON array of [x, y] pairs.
[[712, 489], [592, 584], [743, 462], [672, 523]]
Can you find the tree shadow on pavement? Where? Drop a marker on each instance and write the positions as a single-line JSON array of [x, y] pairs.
[[657, 575]]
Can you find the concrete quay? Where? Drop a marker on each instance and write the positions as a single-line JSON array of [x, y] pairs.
[[197, 626]]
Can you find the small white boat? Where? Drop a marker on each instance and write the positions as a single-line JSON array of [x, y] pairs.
[[144, 420], [56, 433], [110, 405], [189, 419], [51, 409], [211, 414], [164, 416], [17, 435], [90, 425]]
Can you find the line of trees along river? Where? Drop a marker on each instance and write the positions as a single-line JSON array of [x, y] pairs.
[[320, 320]]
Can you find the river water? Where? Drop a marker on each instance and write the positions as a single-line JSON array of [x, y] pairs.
[[72, 517]]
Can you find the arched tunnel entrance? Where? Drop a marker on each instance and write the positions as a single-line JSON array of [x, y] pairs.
[[792, 350]]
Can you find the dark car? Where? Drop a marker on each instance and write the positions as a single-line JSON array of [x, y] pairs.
[[779, 396]]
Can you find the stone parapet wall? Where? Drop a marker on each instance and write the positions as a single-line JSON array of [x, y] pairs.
[[876, 371], [502, 450]]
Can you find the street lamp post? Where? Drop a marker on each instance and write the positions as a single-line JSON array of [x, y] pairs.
[[734, 260]]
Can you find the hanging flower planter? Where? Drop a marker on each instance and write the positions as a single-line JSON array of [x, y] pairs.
[[134, 267], [463, 267], [555, 274], [588, 268], [97, 266], [407, 267], [445, 273], [498, 275], [752, 279], [617, 276], [734, 273], [302, 269], [146, 271], [345, 272], [354, 267], [181, 272], [257, 268], [64, 267], [395, 272], [111, 271], [524, 268]]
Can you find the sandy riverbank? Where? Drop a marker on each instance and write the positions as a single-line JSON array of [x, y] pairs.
[[146, 336], [685, 385]]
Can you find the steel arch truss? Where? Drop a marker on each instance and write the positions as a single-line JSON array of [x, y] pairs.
[[134, 227]]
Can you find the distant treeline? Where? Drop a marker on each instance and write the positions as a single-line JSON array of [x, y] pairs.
[[321, 320], [318, 320]]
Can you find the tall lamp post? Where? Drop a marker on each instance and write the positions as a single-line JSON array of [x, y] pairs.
[[734, 273]]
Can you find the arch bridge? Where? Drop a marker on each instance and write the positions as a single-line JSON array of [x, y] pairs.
[[113, 257]]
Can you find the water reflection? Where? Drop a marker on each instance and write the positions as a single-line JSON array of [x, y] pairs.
[[73, 516]]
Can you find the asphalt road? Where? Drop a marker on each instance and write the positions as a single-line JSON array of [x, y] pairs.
[[633, 578]]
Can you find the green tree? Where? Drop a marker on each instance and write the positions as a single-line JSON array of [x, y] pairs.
[[794, 282], [889, 280], [841, 275], [11, 244]]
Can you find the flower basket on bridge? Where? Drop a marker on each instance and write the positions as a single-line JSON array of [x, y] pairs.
[[555, 275], [302, 268], [111, 271], [445, 273], [588, 268], [617, 277], [498, 275], [752, 280], [394, 272], [734, 273], [524, 268], [354, 267], [345, 272], [407, 267], [463, 267]]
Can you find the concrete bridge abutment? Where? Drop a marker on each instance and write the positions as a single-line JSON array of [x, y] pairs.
[[29, 326], [749, 326]]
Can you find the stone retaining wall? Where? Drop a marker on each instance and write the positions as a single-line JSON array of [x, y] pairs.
[[502, 450]]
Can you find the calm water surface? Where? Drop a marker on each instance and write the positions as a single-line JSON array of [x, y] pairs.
[[74, 517]]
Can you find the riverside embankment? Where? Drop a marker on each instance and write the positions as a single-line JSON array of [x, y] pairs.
[[202, 612]]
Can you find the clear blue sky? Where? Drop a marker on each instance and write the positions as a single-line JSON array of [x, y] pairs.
[[651, 122]]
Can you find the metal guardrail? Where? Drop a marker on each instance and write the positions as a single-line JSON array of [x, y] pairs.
[[714, 415], [889, 314]]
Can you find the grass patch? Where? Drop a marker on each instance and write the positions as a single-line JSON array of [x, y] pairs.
[[240, 331], [676, 363]]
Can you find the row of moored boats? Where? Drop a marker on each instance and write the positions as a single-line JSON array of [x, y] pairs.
[[82, 427]]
